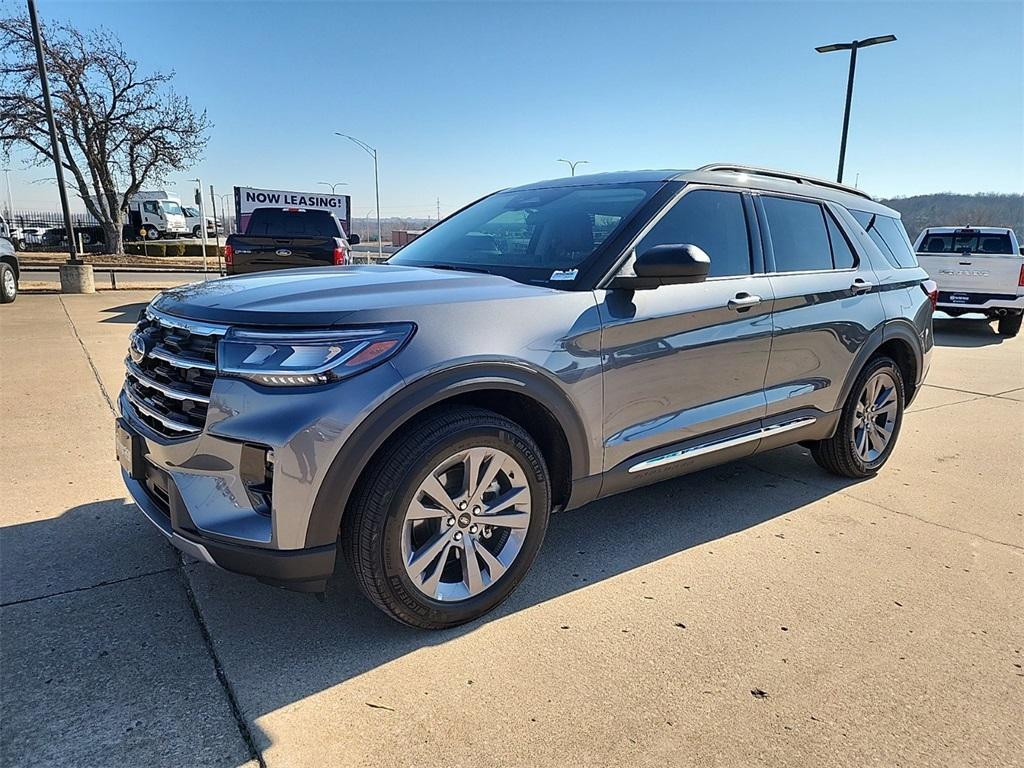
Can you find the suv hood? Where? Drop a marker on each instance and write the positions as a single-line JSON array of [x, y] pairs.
[[322, 296]]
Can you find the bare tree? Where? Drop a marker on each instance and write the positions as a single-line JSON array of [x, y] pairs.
[[118, 128]]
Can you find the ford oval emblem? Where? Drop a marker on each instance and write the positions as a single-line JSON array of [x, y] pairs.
[[137, 348], [283, 252]]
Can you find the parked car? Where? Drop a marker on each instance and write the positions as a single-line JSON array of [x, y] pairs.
[[978, 269], [193, 221], [10, 272], [543, 347], [285, 238]]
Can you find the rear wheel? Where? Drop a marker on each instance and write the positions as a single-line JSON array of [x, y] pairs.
[[1009, 325], [447, 521], [869, 424]]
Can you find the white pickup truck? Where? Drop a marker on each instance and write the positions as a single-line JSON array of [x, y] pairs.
[[978, 269]]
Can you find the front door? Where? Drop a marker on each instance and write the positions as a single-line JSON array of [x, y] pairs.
[[686, 363]]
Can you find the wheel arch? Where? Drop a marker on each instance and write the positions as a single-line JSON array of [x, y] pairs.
[[519, 393], [12, 261], [898, 340]]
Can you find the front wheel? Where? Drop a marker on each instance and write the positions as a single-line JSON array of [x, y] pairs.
[[8, 284], [869, 424], [152, 233], [197, 231], [448, 520], [1009, 325]]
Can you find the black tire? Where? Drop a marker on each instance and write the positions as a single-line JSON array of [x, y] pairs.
[[197, 231], [372, 525], [1009, 325], [8, 283], [838, 454], [152, 233]]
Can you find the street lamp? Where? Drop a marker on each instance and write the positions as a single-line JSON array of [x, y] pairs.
[[852, 47], [572, 164], [334, 186], [202, 221], [376, 184]]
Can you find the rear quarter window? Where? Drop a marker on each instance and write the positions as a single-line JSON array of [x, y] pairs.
[[888, 235]]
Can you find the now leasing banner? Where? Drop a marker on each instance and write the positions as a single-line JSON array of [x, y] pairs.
[[248, 199]]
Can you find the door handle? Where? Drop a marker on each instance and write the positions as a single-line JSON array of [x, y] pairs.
[[743, 301], [861, 286]]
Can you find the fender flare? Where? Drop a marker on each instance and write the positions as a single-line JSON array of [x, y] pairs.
[[890, 330], [421, 394]]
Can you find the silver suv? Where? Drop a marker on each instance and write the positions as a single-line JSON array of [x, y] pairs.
[[546, 346]]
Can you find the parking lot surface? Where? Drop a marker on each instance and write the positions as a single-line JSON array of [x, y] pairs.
[[760, 613]]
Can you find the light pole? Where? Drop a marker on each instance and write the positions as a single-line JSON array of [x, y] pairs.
[[572, 164], [376, 184], [224, 211], [852, 47], [202, 221], [10, 198], [54, 146], [334, 186]]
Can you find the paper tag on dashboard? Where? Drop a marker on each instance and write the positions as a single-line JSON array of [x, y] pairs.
[[564, 274]]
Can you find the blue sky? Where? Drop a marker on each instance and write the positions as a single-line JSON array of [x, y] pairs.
[[461, 99]]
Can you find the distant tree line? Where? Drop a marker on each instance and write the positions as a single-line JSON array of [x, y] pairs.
[[944, 209]]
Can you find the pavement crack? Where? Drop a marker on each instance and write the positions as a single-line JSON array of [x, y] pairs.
[[229, 691], [85, 589], [236, 710], [88, 357]]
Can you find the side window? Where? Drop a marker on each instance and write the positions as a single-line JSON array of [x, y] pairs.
[[713, 221], [799, 237], [888, 234], [149, 206], [842, 253]]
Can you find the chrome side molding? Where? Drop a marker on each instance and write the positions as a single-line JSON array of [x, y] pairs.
[[700, 450]]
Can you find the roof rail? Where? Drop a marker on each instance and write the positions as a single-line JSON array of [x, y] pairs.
[[798, 178]]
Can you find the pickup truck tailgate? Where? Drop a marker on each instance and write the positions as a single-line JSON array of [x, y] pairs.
[[972, 273], [258, 254]]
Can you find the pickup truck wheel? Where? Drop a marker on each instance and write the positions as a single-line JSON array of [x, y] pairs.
[[1009, 325], [869, 424], [449, 518], [8, 284]]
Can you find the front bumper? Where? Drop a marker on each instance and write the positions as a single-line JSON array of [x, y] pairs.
[[194, 489], [305, 570]]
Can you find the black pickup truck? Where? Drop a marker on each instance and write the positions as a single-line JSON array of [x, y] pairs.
[[286, 238]]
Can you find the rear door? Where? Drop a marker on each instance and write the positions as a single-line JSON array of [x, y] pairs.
[[687, 363], [826, 305]]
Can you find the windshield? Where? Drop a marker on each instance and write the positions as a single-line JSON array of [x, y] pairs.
[[172, 207], [535, 236], [192, 213], [285, 222], [966, 241]]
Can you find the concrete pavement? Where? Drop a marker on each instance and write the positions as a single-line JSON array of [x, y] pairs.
[[760, 613]]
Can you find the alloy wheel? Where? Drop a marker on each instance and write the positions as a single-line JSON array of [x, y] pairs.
[[874, 418], [466, 524]]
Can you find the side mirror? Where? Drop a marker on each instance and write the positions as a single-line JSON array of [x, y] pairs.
[[669, 264], [353, 239]]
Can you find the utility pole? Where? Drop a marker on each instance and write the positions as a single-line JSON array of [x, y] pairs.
[[439, 209], [10, 198], [54, 145], [852, 47]]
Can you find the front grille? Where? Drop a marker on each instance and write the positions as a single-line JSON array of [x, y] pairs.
[[171, 366]]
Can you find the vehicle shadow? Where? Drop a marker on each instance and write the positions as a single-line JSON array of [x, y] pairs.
[[277, 648], [126, 313], [965, 332]]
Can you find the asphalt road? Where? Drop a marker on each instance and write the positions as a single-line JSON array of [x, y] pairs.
[[760, 613]]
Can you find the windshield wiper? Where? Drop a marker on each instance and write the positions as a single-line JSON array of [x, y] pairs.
[[456, 268]]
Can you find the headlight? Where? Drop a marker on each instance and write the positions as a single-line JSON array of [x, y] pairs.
[[299, 358]]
